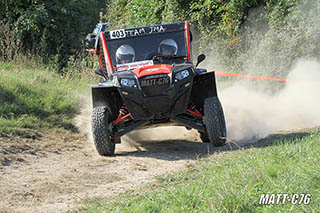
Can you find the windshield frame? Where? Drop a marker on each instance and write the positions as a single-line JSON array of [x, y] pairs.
[[146, 41]]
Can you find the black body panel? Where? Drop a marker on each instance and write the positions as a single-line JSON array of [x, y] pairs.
[[154, 101], [155, 87], [158, 101], [204, 86], [166, 105], [107, 96]]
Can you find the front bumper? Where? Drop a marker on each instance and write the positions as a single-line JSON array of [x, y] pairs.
[[171, 100]]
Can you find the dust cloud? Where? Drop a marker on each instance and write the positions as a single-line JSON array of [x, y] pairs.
[[250, 113], [83, 120], [160, 133], [131, 140], [253, 114]]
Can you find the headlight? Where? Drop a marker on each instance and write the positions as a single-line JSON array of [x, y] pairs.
[[127, 82], [182, 75]]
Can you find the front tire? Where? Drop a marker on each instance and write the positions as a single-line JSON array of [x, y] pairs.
[[204, 137], [101, 136], [214, 121]]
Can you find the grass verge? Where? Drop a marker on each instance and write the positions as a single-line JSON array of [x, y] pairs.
[[37, 107], [34, 99], [233, 181]]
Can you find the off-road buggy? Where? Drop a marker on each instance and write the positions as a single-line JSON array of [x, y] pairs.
[[151, 87]]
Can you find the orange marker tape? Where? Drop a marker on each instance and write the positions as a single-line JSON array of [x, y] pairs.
[[250, 76]]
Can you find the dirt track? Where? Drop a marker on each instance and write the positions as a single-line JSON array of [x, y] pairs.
[[66, 169], [69, 170], [57, 180], [56, 172], [59, 170]]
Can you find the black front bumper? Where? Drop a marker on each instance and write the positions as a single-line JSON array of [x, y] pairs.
[[164, 103]]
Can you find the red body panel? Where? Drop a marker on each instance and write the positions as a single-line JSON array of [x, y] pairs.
[[152, 70], [188, 39], [106, 52], [100, 59]]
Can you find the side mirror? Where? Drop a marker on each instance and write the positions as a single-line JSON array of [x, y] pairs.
[[98, 71], [201, 57], [90, 40]]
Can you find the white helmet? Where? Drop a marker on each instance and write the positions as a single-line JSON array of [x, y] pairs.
[[125, 52], [168, 45]]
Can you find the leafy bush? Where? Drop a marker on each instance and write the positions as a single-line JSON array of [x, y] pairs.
[[133, 13], [256, 36], [260, 36], [272, 43], [50, 28]]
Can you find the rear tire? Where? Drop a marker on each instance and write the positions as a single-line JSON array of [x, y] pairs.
[[214, 121], [101, 136]]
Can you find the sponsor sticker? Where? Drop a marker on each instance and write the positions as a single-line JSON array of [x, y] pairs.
[[114, 34], [123, 33], [155, 82], [134, 65], [115, 81]]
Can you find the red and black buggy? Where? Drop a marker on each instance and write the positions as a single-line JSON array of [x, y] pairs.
[[149, 80]]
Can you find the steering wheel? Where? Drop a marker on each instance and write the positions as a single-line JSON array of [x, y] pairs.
[[153, 56]]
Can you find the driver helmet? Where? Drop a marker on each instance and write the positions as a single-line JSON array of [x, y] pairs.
[[125, 54], [168, 47]]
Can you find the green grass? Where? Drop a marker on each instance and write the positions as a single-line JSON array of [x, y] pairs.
[[37, 99], [233, 181]]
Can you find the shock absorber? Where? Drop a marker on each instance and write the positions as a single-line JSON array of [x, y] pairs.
[[123, 110]]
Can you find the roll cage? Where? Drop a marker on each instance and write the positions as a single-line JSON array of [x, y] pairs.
[[144, 40]]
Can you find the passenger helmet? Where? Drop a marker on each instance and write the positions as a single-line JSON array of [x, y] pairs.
[[169, 45], [125, 52]]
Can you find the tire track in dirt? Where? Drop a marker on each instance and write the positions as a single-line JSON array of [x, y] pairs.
[[56, 182], [61, 181]]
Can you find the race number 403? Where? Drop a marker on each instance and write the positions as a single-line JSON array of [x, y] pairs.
[[117, 34], [284, 198]]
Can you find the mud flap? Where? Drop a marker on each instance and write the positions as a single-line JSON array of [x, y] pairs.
[[107, 96], [204, 85]]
